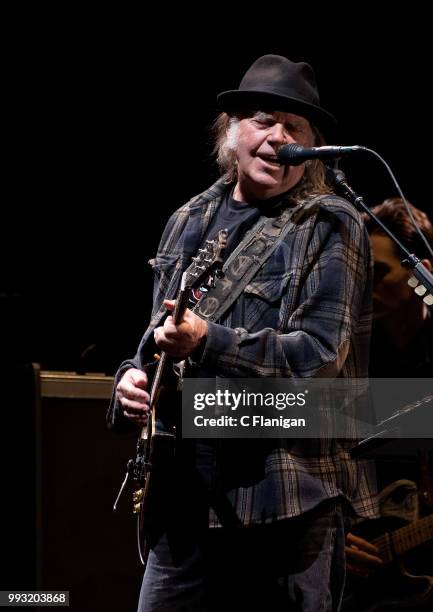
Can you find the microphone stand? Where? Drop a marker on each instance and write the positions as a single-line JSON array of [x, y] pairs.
[[422, 280]]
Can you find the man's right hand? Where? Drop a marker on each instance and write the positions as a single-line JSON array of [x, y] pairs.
[[132, 396]]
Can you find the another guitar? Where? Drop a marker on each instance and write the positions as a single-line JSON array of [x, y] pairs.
[[406, 580]]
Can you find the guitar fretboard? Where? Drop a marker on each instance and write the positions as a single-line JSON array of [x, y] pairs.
[[401, 541]]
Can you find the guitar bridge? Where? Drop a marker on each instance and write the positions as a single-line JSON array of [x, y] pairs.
[[137, 496]]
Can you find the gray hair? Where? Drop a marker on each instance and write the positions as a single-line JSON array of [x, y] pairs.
[[225, 131]]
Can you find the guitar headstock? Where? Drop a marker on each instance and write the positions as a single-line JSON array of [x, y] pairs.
[[208, 262]]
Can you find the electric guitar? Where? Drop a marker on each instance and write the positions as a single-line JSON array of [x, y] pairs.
[[405, 582], [156, 445]]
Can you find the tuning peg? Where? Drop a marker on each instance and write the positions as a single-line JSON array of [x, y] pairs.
[[420, 290]]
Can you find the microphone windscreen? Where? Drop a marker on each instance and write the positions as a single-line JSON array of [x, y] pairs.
[[291, 154]]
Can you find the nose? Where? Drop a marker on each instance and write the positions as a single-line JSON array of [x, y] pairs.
[[278, 135]]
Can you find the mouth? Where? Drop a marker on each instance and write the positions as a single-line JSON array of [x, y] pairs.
[[270, 160]]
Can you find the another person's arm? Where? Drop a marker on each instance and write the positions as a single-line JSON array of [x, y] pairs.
[[361, 556]]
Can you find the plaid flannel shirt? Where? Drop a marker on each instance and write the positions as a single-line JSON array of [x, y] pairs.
[[307, 313]]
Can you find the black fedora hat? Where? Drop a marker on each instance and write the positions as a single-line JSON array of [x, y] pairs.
[[275, 83]]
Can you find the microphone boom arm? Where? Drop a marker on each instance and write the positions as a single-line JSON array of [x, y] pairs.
[[422, 280]]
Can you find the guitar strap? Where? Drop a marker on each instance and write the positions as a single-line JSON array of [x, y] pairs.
[[240, 268], [249, 256]]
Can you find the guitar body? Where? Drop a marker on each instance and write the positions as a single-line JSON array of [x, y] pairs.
[[405, 585], [160, 453]]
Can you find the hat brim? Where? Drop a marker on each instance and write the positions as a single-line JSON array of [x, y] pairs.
[[235, 100]]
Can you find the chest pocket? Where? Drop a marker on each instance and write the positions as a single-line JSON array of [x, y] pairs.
[[262, 301], [268, 287]]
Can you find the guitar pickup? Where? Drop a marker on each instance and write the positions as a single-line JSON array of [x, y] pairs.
[[137, 496]]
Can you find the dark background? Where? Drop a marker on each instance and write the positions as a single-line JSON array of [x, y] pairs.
[[109, 135], [106, 120]]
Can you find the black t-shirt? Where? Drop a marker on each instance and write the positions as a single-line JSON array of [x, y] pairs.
[[237, 218]]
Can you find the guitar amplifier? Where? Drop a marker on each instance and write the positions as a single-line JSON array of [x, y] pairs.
[[82, 546]]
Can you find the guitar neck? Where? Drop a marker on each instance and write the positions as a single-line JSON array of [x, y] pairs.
[[398, 543], [178, 312], [202, 269], [181, 305]]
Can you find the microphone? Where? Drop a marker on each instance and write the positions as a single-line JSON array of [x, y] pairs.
[[295, 154]]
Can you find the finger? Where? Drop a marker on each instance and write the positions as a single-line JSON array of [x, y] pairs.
[[140, 380], [362, 544], [136, 416], [169, 345], [135, 377], [132, 393], [135, 407], [139, 420], [170, 329], [158, 334], [138, 395], [169, 304], [362, 557]]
